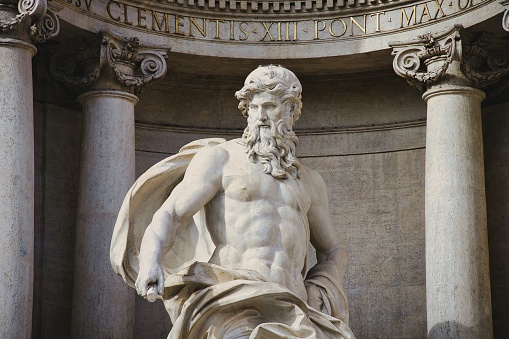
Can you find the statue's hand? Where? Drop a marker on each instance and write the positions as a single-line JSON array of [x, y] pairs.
[[150, 279]]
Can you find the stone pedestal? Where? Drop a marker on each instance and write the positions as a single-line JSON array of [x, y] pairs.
[[457, 261], [102, 304], [16, 188]]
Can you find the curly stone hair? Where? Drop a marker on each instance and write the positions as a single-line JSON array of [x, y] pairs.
[[276, 80]]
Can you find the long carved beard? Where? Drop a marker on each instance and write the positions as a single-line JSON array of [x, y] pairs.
[[274, 149]]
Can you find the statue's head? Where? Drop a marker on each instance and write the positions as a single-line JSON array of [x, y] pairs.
[[270, 100], [275, 80]]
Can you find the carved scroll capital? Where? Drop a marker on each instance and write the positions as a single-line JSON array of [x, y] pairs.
[[76, 64], [81, 64], [143, 65], [424, 61], [486, 61], [476, 60], [505, 18], [45, 28], [27, 9]]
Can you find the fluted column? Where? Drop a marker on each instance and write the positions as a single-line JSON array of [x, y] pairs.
[[103, 306], [453, 68], [17, 162]]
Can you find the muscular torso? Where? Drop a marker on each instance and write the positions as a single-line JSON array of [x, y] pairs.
[[258, 223]]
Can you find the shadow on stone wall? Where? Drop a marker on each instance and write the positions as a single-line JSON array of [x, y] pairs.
[[451, 329], [496, 157]]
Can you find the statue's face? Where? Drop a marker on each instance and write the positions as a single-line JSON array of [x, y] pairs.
[[265, 108]]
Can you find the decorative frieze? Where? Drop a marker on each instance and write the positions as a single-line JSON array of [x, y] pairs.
[[79, 63], [277, 6], [482, 61]]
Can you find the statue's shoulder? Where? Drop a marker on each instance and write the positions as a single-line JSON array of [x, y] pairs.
[[311, 177], [231, 148], [215, 155]]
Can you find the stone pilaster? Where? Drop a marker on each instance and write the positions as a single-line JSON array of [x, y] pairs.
[[21, 26], [106, 71], [454, 69]]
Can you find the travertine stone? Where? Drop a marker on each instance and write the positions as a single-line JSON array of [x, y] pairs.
[[102, 306], [16, 188], [17, 163], [457, 262], [299, 29], [237, 230], [108, 70], [457, 259], [496, 155], [106, 61]]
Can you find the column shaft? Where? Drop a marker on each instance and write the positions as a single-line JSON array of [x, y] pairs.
[[103, 306], [457, 263], [16, 188]]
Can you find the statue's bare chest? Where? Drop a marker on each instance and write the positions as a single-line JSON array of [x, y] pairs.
[[246, 182]]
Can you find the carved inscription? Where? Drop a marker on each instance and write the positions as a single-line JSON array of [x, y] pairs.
[[159, 21]]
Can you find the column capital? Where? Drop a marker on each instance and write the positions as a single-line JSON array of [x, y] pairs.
[[505, 18], [106, 61], [28, 20], [456, 58]]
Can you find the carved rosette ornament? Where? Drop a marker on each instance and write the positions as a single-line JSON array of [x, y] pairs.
[[480, 60], [79, 63], [44, 24]]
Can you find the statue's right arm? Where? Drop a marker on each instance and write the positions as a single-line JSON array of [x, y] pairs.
[[201, 183]]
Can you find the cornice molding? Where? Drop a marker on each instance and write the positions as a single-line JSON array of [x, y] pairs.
[[300, 132], [278, 7]]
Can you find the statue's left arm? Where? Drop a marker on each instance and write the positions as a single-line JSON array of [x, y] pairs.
[[324, 282]]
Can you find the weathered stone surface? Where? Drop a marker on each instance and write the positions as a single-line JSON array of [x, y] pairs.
[[452, 67], [106, 172], [311, 28], [377, 205], [16, 187], [59, 142], [496, 159]]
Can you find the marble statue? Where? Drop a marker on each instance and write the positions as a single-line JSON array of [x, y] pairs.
[[220, 231]]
